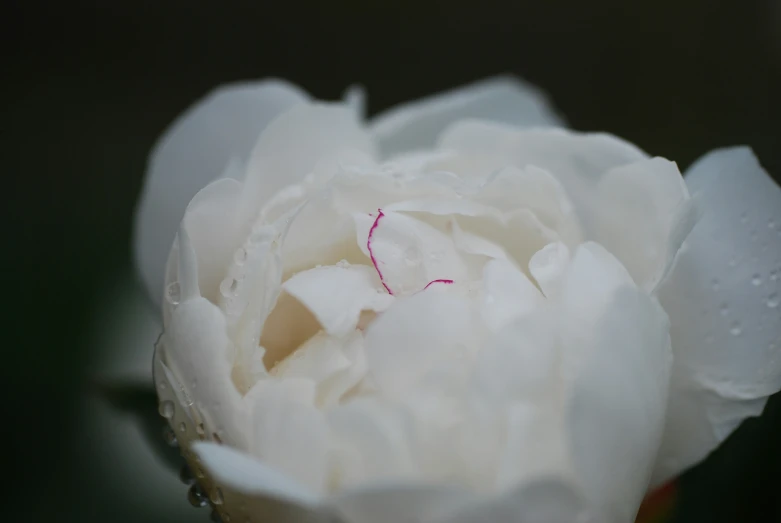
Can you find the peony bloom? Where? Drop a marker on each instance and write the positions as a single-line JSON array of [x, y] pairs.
[[456, 311]]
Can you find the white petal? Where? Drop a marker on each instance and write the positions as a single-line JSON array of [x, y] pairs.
[[634, 213], [197, 349], [545, 500], [246, 475], [589, 283], [414, 335], [474, 244], [519, 361], [289, 432], [416, 125], [337, 295], [547, 266], [293, 144], [617, 401], [370, 440], [507, 294], [576, 160], [408, 253], [211, 223], [723, 300], [193, 152], [336, 365], [395, 503]]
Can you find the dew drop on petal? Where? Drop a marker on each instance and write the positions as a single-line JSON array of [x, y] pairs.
[[166, 409], [228, 287], [170, 437], [195, 496], [240, 256], [182, 427], [216, 496], [173, 293], [735, 329], [771, 224], [724, 310], [715, 284], [756, 280], [186, 475], [743, 217], [772, 300]]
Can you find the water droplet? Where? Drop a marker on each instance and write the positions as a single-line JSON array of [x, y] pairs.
[[771, 224], [342, 264], [166, 409], [162, 385], [733, 262], [216, 437], [200, 430], [756, 280], [182, 427], [724, 310], [240, 256], [743, 217], [186, 475], [772, 301], [228, 286], [170, 437], [195, 496], [173, 293], [216, 496], [774, 275], [715, 284], [735, 329]]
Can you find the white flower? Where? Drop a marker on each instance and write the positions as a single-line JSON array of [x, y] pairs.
[[458, 311]]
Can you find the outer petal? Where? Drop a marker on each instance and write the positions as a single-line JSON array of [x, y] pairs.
[[576, 160], [546, 500], [416, 125], [635, 212], [617, 402], [292, 147], [723, 300], [195, 150], [396, 503]]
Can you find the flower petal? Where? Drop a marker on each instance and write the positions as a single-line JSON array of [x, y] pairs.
[[617, 402], [723, 300], [576, 160], [196, 349], [507, 294], [544, 500], [416, 125], [194, 151], [408, 253], [244, 474], [394, 503], [646, 198], [337, 295], [293, 145], [414, 335], [289, 433]]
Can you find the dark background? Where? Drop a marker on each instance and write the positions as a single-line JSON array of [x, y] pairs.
[[87, 87]]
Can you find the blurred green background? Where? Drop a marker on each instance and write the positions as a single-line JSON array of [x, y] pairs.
[[87, 87]]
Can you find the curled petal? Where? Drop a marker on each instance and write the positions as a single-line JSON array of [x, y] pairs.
[[724, 308], [194, 151], [416, 125]]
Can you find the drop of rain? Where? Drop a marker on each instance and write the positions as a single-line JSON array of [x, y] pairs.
[[173, 293], [166, 409]]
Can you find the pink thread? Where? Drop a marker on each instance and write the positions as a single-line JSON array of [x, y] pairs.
[[446, 282], [371, 253]]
